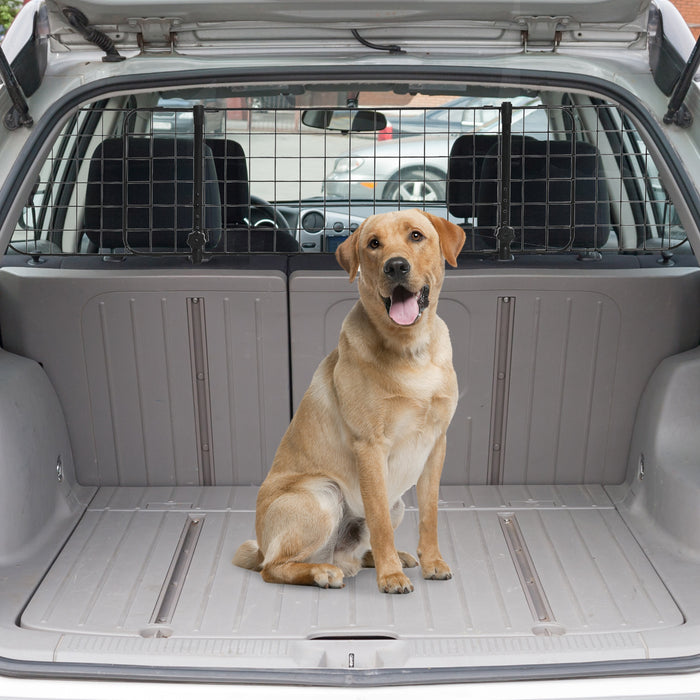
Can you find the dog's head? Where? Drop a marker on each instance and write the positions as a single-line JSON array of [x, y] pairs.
[[401, 258]]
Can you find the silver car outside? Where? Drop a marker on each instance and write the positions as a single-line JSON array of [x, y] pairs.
[[407, 169], [414, 168]]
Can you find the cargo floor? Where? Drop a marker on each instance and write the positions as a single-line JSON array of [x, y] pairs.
[[535, 569]]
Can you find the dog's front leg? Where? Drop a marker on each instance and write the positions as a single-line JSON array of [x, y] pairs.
[[427, 489], [372, 469]]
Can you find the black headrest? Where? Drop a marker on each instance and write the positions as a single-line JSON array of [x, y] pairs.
[[232, 176], [558, 195], [156, 189], [464, 170]]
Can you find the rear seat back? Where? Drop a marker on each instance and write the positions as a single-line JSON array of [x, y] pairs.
[[124, 350], [166, 377], [577, 355]]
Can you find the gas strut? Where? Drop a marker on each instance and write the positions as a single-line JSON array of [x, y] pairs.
[[18, 115], [678, 113]]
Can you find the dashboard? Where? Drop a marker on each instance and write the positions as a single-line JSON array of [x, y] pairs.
[[321, 229]]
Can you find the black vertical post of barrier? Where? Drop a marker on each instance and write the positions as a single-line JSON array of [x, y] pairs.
[[197, 239], [505, 233]]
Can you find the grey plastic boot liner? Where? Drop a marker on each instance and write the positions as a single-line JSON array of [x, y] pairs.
[[147, 578]]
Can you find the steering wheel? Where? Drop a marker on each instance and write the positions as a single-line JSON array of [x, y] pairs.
[[262, 213]]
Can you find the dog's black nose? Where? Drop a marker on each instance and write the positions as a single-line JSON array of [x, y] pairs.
[[397, 268]]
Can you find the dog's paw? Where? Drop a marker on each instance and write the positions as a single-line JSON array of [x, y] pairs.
[[436, 570], [395, 583], [327, 576], [408, 561]]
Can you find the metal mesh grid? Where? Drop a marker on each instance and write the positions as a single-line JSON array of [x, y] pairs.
[[570, 177]]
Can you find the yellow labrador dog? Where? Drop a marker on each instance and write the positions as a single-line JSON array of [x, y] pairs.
[[372, 423]]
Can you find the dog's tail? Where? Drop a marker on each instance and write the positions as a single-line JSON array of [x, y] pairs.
[[249, 556]]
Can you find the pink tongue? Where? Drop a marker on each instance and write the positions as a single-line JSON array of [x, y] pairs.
[[404, 310]]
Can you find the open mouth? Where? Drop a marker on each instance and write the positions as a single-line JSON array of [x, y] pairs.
[[405, 307]]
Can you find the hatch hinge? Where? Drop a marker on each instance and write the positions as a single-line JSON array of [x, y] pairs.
[[155, 34], [542, 33]]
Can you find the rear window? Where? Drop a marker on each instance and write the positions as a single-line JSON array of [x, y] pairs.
[[173, 174]]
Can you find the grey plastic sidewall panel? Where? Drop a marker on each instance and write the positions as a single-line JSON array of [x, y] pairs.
[[36, 461], [664, 463]]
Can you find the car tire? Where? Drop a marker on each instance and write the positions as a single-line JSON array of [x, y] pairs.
[[416, 185]]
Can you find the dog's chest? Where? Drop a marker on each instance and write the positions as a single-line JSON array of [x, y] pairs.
[[407, 460], [422, 401], [413, 429]]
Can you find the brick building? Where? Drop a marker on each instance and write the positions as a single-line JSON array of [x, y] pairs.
[[690, 9]]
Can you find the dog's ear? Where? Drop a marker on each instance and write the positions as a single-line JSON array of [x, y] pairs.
[[451, 236], [348, 253]]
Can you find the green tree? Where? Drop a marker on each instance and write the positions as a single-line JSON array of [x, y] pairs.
[[8, 10]]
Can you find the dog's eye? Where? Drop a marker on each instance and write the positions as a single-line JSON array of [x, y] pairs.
[[417, 236], [374, 243]]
